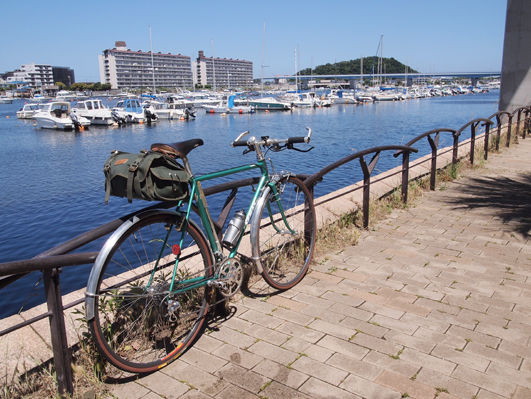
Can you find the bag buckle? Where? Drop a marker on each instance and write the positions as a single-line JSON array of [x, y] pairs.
[[134, 166]]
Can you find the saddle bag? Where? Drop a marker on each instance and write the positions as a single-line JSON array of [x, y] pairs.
[[149, 175]]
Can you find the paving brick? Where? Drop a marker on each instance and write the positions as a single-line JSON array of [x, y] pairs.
[[233, 391], [395, 364], [403, 384], [321, 390], [273, 352], [280, 373], [370, 342], [243, 378], [324, 372], [424, 360], [342, 298], [276, 390], [203, 360], [296, 330], [500, 371], [394, 324], [461, 357], [438, 380], [195, 377], [368, 389], [285, 303], [237, 356], [132, 390], [233, 337], [483, 394], [494, 354], [291, 316], [482, 380], [164, 385], [263, 319], [351, 311], [522, 393], [418, 343], [370, 328], [384, 310], [339, 345], [268, 335], [354, 366], [332, 329], [475, 336]]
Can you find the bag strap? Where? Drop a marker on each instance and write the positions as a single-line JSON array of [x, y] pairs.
[[131, 175], [106, 169]]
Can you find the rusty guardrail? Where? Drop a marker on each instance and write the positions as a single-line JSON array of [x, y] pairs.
[[51, 261]]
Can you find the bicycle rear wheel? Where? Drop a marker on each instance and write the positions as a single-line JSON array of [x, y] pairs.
[[285, 233], [138, 325]]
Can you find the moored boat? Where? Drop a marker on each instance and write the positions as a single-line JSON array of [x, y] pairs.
[[94, 111], [28, 111], [54, 115], [269, 104]]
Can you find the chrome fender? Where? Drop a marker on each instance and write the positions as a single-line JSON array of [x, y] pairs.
[[255, 226], [90, 293]]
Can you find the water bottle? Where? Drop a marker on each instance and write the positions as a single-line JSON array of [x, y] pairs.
[[235, 228]]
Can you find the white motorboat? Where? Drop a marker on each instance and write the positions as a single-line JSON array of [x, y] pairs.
[[169, 110], [54, 115], [94, 111], [269, 104], [6, 100], [129, 110], [229, 107], [28, 111]]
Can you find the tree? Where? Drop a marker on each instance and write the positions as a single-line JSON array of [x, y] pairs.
[[60, 85], [370, 65]]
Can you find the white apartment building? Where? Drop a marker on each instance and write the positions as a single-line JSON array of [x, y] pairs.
[[34, 75], [222, 72], [123, 68]]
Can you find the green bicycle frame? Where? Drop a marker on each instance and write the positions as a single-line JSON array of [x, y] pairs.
[[197, 196]]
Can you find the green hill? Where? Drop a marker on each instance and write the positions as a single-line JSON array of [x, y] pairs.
[[390, 65]]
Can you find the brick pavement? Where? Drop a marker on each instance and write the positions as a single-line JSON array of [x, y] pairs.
[[433, 302]]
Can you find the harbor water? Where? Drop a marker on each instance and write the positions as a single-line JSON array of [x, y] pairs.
[[52, 185]]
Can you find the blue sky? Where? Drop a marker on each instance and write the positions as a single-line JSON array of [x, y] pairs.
[[429, 35]]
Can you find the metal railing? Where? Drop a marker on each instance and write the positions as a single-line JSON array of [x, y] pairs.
[[51, 261]]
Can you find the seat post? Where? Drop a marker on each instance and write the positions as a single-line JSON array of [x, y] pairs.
[[186, 164]]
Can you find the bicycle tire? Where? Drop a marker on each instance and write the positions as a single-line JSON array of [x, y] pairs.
[[285, 253], [136, 328]]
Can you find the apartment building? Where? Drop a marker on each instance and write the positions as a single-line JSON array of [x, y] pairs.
[[123, 68], [222, 72]]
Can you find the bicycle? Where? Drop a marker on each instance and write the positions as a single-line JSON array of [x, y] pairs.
[[156, 276]]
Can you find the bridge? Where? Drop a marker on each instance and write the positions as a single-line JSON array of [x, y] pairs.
[[469, 75]]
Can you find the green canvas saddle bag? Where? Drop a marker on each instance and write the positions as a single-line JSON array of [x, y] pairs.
[[149, 175]]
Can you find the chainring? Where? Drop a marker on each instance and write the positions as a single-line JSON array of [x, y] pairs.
[[230, 277]]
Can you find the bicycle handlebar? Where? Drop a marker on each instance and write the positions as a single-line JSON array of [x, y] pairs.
[[252, 142]]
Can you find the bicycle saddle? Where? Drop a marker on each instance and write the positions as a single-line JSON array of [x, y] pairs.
[[178, 150]]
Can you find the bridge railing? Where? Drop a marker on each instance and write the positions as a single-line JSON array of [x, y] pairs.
[[50, 262]]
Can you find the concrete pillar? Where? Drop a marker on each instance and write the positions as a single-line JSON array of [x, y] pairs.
[[516, 67]]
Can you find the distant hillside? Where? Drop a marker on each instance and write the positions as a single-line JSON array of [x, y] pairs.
[[353, 67]]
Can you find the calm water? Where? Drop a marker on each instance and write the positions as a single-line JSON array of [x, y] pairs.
[[53, 184]]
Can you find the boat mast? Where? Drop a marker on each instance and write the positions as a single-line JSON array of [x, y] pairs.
[[152, 65], [213, 64], [296, 73], [262, 66], [381, 59]]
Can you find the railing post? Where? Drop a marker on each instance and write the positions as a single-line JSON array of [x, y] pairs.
[[518, 123], [433, 172], [498, 132], [455, 148], [527, 123], [307, 217], [486, 145], [509, 129], [61, 353], [472, 142], [366, 192], [405, 176]]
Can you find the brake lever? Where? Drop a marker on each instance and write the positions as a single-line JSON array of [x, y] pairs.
[[247, 151], [290, 147]]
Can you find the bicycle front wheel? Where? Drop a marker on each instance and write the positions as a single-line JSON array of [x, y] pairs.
[[138, 324], [285, 233]]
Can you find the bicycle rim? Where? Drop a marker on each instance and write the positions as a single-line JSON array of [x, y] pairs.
[[138, 326], [286, 239]]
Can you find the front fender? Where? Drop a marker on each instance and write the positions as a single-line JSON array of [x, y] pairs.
[[92, 284]]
